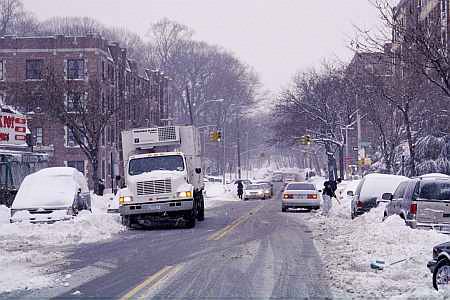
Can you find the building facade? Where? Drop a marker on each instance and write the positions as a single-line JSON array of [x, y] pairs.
[[138, 97]]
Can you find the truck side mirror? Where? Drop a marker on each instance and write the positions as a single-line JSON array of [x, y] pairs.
[[198, 170]]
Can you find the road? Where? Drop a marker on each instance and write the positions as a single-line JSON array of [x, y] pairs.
[[242, 250]]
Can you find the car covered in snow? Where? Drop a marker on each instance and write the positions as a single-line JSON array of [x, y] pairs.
[[423, 202], [439, 265], [373, 189], [300, 195], [50, 195]]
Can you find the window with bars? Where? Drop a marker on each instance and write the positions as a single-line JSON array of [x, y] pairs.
[[39, 135], [34, 69], [76, 69], [75, 101]]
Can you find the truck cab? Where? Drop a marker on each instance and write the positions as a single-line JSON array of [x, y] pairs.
[[163, 176]]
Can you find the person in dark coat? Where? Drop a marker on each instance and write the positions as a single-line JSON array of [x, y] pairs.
[[240, 189], [101, 187]]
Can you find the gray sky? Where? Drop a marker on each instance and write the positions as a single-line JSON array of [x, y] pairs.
[[276, 37]]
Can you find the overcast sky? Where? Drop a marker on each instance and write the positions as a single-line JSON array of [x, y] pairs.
[[276, 37]]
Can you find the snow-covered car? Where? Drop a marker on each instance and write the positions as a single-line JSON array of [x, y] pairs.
[[254, 191], [50, 195], [439, 265], [347, 190], [300, 195], [373, 189]]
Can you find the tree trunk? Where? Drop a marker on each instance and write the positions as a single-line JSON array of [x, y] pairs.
[[94, 175], [412, 151]]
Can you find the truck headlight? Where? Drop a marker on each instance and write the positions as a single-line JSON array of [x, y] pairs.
[[187, 194], [260, 192], [125, 199]]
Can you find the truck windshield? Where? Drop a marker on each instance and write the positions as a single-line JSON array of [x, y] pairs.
[[148, 164]]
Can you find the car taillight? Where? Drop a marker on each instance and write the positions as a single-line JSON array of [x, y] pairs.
[[359, 204], [413, 208], [288, 196], [312, 196]]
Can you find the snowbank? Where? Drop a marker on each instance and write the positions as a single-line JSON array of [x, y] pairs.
[[25, 248], [348, 247], [218, 194]]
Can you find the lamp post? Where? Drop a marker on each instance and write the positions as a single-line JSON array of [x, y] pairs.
[[202, 106]]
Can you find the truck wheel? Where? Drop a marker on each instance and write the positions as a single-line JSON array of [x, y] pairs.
[[190, 221], [126, 221], [201, 210], [441, 274]]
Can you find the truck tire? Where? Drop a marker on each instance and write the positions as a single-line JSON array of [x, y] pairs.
[[201, 209], [127, 221], [190, 221]]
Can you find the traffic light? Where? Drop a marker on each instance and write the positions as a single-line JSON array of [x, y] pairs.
[[216, 136], [305, 140]]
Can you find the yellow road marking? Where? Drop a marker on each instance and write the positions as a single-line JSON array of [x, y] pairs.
[[163, 277], [148, 282], [227, 229]]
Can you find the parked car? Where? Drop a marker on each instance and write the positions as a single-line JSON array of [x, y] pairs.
[[347, 191], [300, 195], [268, 191], [394, 207], [373, 189], [255, 191], [50, 195], [440, 266], [424, 203]]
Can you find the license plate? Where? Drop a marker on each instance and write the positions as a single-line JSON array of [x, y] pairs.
[[301, 196], [154, 207]]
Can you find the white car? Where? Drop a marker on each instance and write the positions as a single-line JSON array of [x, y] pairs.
[[255, 191], [300, 195], [50, 195]]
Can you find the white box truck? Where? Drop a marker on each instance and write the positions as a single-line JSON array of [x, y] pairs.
[[163, 176]]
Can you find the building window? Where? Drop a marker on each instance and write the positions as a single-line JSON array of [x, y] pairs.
[[34, 69], [77, 164], [75, 69], [70, 138], [2, 70], [75, 102], [39, 135]]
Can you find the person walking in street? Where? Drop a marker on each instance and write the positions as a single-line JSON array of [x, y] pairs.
[[240, 189]]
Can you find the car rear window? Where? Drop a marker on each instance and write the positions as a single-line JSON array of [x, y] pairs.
[[254, 187], [435, 190], [400, 191], [301, 187]]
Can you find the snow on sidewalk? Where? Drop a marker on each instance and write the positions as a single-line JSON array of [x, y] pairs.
[[218, 194], [349, 246], [28, 250]]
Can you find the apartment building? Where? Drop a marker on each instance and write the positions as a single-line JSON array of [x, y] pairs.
[[139, 97]]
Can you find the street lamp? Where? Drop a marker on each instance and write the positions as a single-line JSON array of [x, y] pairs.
[[201, 106]]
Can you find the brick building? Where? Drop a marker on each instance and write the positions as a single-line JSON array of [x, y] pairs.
[[139, 97]]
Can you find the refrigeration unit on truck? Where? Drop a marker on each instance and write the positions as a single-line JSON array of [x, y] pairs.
[[163, 176]]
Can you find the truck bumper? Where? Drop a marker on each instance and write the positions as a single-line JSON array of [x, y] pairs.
[[157, 207]]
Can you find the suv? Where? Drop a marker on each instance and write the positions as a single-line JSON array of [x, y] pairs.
[[426, 203]]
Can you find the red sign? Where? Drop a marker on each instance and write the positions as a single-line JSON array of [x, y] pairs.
[[13, 129]]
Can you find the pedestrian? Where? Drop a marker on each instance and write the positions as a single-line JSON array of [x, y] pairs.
[[327, 196], [101, 187], [240, 189]]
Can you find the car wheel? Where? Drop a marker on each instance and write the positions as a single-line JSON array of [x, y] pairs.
[[441, 274]]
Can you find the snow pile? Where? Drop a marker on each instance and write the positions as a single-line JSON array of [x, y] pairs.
[[218, 194], [26, 248], [348, 247]]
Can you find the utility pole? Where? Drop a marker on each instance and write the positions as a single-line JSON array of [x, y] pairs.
[[238, 145], [358, 125], [188, 98], [224, 151]]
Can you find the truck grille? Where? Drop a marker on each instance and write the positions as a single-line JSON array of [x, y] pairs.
[[154, 187]]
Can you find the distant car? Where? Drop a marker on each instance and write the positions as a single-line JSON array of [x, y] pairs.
[[440, 266], [373, 189], [268, 191], [289, 178], [245, 182], [423, 202], [255, 191], [277, 177], [300, 195], [50, 195]]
